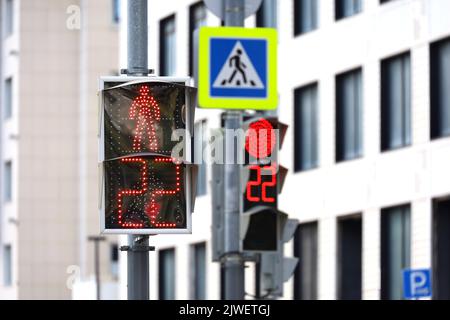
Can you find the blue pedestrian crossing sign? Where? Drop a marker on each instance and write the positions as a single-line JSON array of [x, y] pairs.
[[417, 284], [238, 68]]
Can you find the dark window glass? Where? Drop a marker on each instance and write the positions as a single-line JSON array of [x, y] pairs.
[[440, 89], [349, 115], [199, 271], [395, 250], [197, 19], [305, 16], [347, 8], [166, 277], [349, 258], [305, 127], [266, 16], [305, 249], [395, 102], [441, 250], [167, 46]]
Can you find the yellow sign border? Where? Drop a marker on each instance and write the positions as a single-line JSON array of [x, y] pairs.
[[205, 100]]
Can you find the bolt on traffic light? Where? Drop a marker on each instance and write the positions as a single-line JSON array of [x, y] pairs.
[[147, 181]]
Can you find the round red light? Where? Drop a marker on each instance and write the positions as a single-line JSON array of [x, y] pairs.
[[260, 139]]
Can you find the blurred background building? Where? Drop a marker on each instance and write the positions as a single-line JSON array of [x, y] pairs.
[[365, 88], [51, 55]]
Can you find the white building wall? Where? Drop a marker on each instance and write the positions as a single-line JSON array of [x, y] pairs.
[[415, 175]]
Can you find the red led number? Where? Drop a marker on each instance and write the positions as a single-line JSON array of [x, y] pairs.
[[152, 208], [264, 185], [132, 192], [252, 184]]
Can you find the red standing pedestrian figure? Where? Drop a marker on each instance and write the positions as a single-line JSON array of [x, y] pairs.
[[146, 110]]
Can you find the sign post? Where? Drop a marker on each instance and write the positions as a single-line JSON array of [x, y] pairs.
[[236, 72]]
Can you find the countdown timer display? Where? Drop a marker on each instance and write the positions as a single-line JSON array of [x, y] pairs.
[[145, 192]]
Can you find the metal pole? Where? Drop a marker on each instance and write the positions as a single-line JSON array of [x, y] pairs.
[[97, 240], [137, 37], [138, 251], [97, 269], [232, 261], [234, 13]]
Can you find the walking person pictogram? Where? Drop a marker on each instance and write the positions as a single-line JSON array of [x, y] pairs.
[[238, 71], [239, 66], [146, 110]]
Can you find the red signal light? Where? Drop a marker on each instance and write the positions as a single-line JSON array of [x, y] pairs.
[[146, 111], [260, 140]]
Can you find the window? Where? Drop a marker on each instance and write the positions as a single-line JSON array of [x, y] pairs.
[[349, 258], [305, 16], [116, 11], [347, 8], [8, 103], [266, 16], [349, 111], [8, 17], [441, 250], [114, 259], [395, 102], [166, 267], [7, 266], [197, 19], [198, 271], [440, 85], [305, 128], [7, 186], [395, 250], [305, 249], [167, 56], [199, 148]]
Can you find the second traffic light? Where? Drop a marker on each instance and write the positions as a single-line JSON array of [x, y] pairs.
[[263, 178]]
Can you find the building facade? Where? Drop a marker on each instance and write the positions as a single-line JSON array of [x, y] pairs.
[[364, 86], [52, 53]]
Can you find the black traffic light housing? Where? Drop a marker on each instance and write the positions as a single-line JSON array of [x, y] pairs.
[[147, 183], [262, 180]]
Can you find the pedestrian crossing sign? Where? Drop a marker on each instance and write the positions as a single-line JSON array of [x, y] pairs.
[[238, 68]]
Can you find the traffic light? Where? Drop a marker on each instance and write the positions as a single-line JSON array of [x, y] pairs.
[[264, 228], [263, 178], [147, 181]]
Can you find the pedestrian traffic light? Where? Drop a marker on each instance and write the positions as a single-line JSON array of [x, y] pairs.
[[263, 178], [147, 180]]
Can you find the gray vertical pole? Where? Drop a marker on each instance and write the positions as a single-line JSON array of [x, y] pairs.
[[137, 37], [138, 254], [97, 268], [232, 261], [97, 240]]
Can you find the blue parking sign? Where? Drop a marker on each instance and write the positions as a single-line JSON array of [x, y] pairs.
[[417, 283]]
